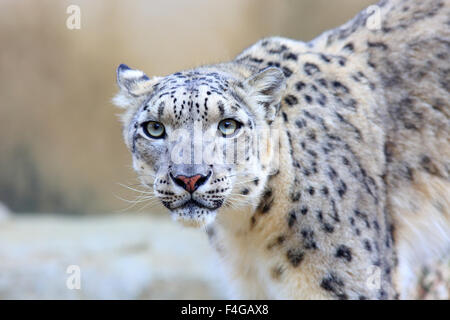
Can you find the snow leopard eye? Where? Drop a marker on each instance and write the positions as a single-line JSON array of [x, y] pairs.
[[154, 129], [228, 127]]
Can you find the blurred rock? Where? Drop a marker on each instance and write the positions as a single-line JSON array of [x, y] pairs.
[[120, 257], [4, 212]]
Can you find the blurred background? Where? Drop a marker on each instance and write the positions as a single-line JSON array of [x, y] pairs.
[[62, 158]]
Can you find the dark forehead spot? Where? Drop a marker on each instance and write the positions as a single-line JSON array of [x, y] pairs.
[[161, 109], [221, 107]]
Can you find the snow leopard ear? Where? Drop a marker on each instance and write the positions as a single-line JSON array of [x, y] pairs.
[[133, 84], [267, 86]]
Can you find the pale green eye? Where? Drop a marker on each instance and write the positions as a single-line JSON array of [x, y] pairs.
[[154, 129], [228, 127]]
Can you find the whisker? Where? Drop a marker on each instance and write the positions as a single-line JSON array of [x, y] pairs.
[[133, 189], [133, 203], [150, 203]]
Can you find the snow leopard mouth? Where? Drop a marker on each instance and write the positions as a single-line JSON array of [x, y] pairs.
[[193, 213], [192, 204]]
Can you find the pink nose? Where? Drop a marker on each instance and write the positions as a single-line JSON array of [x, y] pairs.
[[190, 184]]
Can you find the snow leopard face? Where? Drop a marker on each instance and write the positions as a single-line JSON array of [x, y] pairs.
[[201, 139]]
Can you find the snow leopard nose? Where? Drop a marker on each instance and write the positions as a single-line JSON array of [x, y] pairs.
[[190, 184]]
